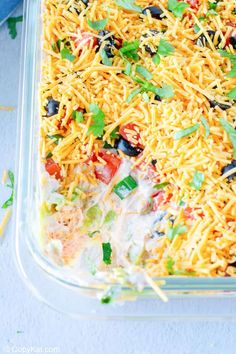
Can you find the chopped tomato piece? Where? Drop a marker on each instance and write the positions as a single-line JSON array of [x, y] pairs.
[[129, 132], [106, 172], [188, 213], [53, 168], [85, 40], [194, 4], [159, 199]]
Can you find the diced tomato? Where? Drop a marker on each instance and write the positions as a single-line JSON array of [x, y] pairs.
[[160, 198], [188, 213], [53, 168], [106, 172], [85, 40], [194, 4], [60, 126], [127, 135]]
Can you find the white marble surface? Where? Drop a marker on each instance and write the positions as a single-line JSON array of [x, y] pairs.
[[41, 327]]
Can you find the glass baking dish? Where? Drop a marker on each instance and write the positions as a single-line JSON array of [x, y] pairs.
[[53, 285]]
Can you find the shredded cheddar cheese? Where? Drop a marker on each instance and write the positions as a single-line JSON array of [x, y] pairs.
[[197, 74]]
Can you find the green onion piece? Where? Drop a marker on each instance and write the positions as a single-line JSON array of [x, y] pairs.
[[97, 127], [197, 181], [231, 132], [56, 138], [186, 132], [133, 94], [144, 72], [128, 5], [93, 216], [165, 49], [206, 126], [128, 69], [107, 251], [65, 54], [110, 294], [156, 59], [125, 187], [110, 216], [177, 230], [97, 25], [161, 185], [78, 116], [9, 201], [105, 60], [232, 94], [177, 7]]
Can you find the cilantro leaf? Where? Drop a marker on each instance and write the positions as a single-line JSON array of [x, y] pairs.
[[165, 49], [129, 50], [105, 59], [232, 73], [128, 5], [228, 55], [170, 267], [231, 132], [156, 59], [115, 133], [232, 94], [144, 72], [161, 185], [11, 24], [78, 116], [177, 230], [56, 138], [9, 201], [133, 94], [177, 7], [98, 121], [197, 181], [66, 54], [97, 25], [107, 251], [128, 69]]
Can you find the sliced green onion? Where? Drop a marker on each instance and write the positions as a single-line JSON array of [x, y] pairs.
[[107, 251], [177, 230], [144, 72], [125, 187], [161, 185], [186, 132], [78, 116]]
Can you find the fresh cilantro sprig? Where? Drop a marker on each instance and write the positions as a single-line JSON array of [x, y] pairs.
[[232, 94], [170, 267], [231, 133], [177, 7], [165, 48], [105, 60], [10, 185], [177, 230], [97, 127], [11, 24], [97, 25], [197, 181], [77, 116], [128, 5], [66, 54], [140, 69], [129, 50], [232, 58]]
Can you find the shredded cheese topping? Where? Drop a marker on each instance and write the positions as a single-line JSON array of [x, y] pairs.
[[197, 75]]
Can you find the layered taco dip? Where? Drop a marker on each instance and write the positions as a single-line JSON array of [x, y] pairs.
[[138, 139]]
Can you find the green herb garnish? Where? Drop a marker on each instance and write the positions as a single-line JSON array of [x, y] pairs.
[[156, 59], [105, 60], [97, 127], [9, 201], [115, 133], [230, 130], [56, 138], [128, 69], [170, 267], [232, 94], [161, 185], [98, 25], [144, 72], [129, 50], [125, 187], [186, 132], [11, 24], [93, 217], [128, 5], [110, 216], [197, 181], [206, 126], [78, 116], [66, 54], [177, 230], [165, 49], [107, 251], [133, 94], [177, 7]]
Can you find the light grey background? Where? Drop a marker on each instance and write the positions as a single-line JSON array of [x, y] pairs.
[[42, 327]]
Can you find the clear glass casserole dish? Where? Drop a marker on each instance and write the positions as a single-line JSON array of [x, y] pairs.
[[55, 286]]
